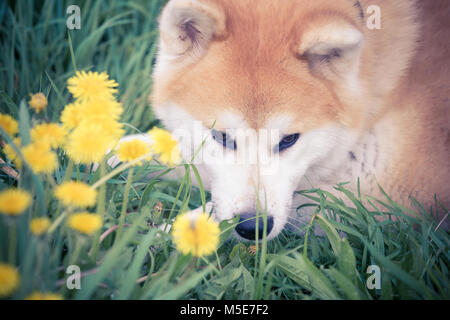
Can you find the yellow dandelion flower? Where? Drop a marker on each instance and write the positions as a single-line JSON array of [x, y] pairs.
[[195, 234], [85, 222], [38, 102], [76, 194], [9, 280], [165, 145], [11, 153], [36, 295], [9, 124], [72, 115], [50, 133], [39, 226], [90, 142], [101, 109], [40, 158], [114, 129], [14, 201], [91, 85], [133, 149]]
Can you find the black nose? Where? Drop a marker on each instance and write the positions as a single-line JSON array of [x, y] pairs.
[[247, 226]]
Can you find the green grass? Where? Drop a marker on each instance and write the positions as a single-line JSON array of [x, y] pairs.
[[119, 38], [38, 55]]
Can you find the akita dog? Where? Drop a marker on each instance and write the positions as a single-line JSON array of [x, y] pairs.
[[345, 100]]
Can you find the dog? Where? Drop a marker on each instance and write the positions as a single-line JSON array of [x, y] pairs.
[[327, 98]]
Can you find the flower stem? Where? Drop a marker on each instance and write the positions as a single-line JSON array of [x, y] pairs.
[[12, 242], [58, 220], [125, 203], [76, 253], [102, 191], [305, 243], [189, 269], [69, 170], [118, 170], [100, 209], [87, 170]]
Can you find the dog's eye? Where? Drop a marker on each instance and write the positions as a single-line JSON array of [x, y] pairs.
[[315, 60], [287, 142], [224, 139]]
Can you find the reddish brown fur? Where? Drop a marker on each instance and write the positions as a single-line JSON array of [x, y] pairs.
[[254, 68], [257, 56]]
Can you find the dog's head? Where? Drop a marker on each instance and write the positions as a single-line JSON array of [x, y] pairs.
[[276, 90]]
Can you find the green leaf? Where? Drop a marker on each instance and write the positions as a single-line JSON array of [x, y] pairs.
[[90, 283], [200, 185], [398, 272], [132, 274], [181, 289], [293, 270], [347, 261], [345, 284], [331, 233], [386, 287], [303, 271], [24, 123], [146, 194]]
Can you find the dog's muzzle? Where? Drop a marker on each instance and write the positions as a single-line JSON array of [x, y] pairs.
[[247, 226]]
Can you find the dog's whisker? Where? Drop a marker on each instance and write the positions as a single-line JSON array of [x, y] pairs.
[[296, 219], [297, 227]]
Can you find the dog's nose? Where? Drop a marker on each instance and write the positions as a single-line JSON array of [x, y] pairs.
[[247, 226]]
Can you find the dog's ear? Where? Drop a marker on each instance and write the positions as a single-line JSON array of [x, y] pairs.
[[188, 26], [332, 49]]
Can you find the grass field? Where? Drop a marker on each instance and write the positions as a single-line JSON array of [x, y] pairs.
[[39, 54]]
